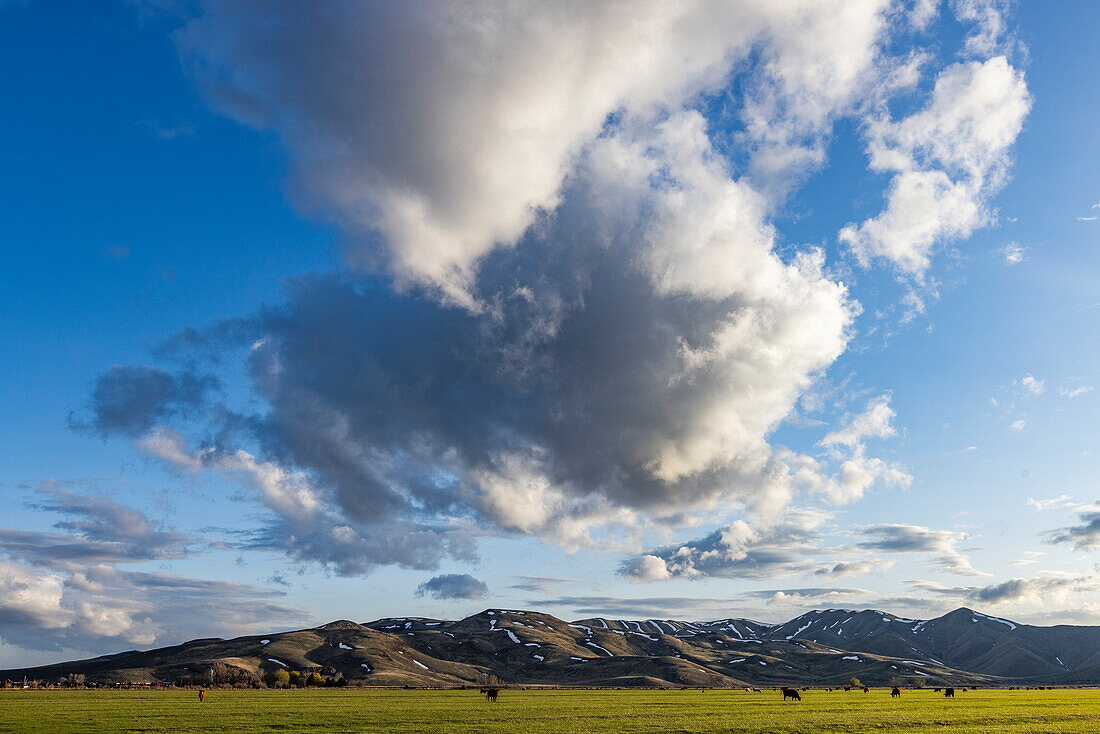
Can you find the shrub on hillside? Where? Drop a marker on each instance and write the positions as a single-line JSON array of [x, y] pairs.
[[277, 678]]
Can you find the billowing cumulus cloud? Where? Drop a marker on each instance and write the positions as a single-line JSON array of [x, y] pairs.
[[795, 545], [453, 586], [737, 551], [569, 314], [527, 417], [445, 128]]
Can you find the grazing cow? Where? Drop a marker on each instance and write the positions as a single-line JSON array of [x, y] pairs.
[[847, 688], [866, 689], [949, 692], [936, 691], [491, 694], [202, 694], [792, 694], [895, 692]]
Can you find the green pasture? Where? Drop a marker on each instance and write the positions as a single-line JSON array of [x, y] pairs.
[[549, 711]]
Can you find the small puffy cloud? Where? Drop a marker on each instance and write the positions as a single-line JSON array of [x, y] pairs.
[[988, 20], [453, 586], [1029, 384], [876, 421], [896, 538], [1085, 535], [947, 159], [857, 471], [1017, 425], [1075, 392], [129, 400], [646, 567], [1013, 253]]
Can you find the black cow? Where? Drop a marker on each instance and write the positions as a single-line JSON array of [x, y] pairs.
[[949, 692], [895, 692], [866, 689], [490, 694], [792, 694]]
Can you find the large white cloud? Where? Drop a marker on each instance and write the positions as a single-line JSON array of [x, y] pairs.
[[605, 329], [446, 126]]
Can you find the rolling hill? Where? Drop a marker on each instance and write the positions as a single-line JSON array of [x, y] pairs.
[[821, 648]]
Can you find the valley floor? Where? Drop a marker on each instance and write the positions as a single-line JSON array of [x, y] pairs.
[[549, 711]]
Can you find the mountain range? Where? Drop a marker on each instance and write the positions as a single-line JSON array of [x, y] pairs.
[[820, 648]]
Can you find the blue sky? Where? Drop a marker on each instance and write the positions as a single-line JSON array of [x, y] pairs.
[[726, 314]]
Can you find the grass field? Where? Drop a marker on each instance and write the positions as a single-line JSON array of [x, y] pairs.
[[552, 712]]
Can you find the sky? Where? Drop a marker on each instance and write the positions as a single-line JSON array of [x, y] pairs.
[[353, 310]]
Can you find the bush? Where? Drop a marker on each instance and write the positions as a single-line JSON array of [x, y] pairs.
[[854, 682], [277, 678], [295, 678], [314, 680]]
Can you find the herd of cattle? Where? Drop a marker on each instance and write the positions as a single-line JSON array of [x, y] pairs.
[[895, 692], [791, 693]]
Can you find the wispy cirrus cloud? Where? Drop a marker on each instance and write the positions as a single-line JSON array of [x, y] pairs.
[[1062, 500], [898, 538], [70, 589], [1048, 587], [1083, 536]]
